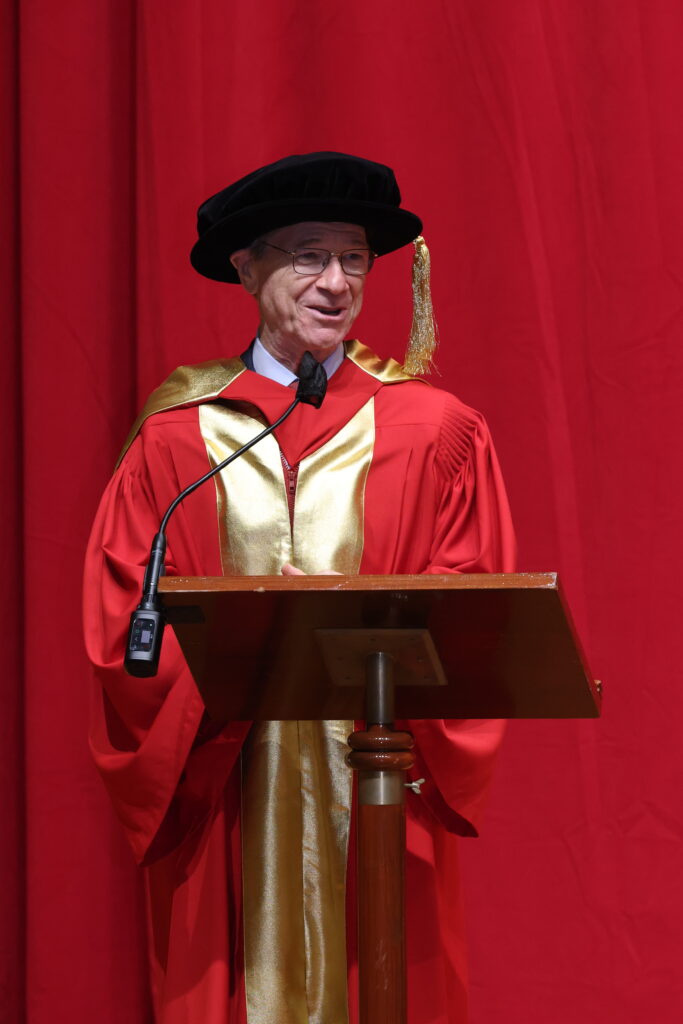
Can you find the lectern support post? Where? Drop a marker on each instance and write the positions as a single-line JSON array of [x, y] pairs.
[[381, 757]]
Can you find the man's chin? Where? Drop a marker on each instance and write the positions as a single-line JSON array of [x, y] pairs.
[[322, 343]]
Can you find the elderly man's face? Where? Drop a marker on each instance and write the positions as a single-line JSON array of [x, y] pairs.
[[303, 312]]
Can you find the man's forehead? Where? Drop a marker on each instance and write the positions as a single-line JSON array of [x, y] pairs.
[[313, 232]]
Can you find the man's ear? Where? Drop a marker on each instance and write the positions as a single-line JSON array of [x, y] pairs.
[[243, 262]]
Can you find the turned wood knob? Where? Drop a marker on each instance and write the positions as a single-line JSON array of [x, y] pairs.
[[379, 748]]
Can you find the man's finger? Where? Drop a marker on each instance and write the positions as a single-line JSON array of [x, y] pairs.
[[291, 570]]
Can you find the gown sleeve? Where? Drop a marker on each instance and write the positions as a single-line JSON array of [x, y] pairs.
[[143, 732], [473, 533]]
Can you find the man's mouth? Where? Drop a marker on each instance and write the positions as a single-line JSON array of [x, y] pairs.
[[331, 311]]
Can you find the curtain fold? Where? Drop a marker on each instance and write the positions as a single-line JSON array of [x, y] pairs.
[[12, 908]]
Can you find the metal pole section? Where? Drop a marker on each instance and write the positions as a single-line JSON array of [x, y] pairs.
[[383, 785], [379, 693]]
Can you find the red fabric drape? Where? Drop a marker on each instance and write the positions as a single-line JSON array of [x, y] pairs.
[[541, 141]]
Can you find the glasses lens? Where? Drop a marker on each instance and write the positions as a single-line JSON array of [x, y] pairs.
[[310, 261], [356, 261]]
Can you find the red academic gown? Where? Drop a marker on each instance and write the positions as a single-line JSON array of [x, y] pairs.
[[433, 502]]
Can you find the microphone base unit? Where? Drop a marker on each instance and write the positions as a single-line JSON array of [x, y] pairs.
[[145, 634]]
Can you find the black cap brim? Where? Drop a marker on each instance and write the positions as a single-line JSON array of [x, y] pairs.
[[387, 228]]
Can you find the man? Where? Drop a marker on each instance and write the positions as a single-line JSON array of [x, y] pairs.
[[244, 833]]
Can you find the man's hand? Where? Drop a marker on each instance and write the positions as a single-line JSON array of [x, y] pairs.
[[291, 570]]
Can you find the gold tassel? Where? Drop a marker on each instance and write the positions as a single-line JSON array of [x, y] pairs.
[[423, 333]]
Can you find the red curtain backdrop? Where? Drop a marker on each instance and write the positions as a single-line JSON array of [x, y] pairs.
[[541, 141]]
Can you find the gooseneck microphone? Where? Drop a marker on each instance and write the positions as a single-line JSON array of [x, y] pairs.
[[147, 622]]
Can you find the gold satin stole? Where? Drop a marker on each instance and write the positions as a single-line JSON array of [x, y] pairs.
[[296, 787]]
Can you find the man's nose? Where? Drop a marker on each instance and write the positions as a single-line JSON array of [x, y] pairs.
[[333, 278]]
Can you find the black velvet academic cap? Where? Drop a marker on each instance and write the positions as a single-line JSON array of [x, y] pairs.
[[306, 187]]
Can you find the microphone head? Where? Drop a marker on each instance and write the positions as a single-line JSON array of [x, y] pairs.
[[312, 381]]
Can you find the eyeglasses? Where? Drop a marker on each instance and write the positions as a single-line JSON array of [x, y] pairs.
[[309, 262]]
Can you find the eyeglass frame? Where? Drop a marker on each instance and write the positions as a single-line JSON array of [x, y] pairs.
[[326, 262]]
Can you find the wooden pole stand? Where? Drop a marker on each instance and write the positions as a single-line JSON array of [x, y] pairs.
[[381, 758]]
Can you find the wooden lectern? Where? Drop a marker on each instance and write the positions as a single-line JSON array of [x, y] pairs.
[[379, 647]]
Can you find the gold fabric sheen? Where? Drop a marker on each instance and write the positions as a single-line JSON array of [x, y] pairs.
[[328, 513], [253, 524], [187, 384], [386, 370], [296, 787], [296, 810]]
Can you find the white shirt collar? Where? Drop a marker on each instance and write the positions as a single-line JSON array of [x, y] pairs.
[[268, 366]]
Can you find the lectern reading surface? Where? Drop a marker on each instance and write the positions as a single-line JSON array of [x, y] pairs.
[[504, 641]]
